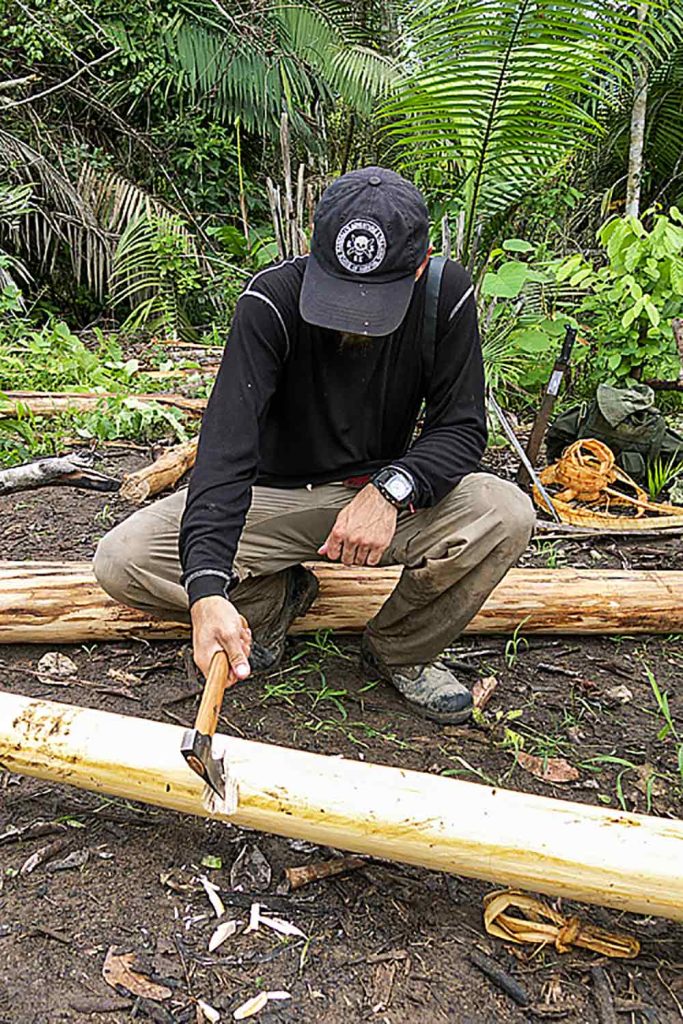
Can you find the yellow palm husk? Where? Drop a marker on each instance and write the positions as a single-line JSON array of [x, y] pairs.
[[586, 473], [545, 925]]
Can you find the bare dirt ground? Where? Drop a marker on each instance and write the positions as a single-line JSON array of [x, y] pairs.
[[387, 942]]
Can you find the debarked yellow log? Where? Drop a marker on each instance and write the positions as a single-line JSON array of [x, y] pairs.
[[593, 854]]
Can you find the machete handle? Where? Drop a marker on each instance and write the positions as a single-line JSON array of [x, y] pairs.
[[567, 344], [212, 698]]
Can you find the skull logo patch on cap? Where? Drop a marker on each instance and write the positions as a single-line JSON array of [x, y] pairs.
[[360, 246]]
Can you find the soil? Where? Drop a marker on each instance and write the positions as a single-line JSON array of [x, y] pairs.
[[386, 942]]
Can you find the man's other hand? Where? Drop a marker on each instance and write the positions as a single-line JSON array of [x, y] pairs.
[[363, 530], [216, 626]]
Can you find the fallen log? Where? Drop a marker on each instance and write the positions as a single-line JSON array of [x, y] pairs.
[[162, 473], [62, 471], [593, 854], [52, 403], [61, 602]]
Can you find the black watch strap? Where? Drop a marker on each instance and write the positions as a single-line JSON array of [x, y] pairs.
[[395, 484]]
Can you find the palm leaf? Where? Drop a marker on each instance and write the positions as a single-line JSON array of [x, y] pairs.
[[500, 91]]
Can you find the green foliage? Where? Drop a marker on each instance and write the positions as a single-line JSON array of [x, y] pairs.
[[250, 65], [52, 358], [523, 328], [27, 437], [499, 95], [157, 272], [628, 302], [660, 473]]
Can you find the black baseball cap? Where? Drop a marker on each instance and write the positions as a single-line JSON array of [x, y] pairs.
[[370, 234]]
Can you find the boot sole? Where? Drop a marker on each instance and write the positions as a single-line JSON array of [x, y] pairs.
[[372, 667]]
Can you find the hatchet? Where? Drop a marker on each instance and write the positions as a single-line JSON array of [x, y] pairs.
[[196, 746]]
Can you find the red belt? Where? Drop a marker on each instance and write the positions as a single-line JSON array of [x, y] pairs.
[[357, 482]]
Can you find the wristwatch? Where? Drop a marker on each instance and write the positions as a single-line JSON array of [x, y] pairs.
[[396, 485]]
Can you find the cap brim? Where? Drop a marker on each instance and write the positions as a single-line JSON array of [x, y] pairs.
[[354, 306]]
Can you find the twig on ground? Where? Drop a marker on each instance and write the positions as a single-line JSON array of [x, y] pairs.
[[602, 995], [500, 977]]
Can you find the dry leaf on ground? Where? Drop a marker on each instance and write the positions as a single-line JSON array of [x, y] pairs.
[[254, 918], [250, 872], [54, 665], [75, 859], [549, 769], [300, 876], [118, 970], [483, 690], [620, 694], [223, 932], [44, 854]]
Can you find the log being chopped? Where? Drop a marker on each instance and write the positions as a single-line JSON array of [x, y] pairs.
[[593, 854]]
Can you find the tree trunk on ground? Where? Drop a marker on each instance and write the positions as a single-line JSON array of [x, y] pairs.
[[163, 473], [62, 471], [61, 602], [52, 403], [595, 854]]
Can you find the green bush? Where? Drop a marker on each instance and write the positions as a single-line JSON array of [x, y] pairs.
[[628, 302]]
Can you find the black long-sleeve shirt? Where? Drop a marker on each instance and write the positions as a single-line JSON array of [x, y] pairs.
[[293, 406]]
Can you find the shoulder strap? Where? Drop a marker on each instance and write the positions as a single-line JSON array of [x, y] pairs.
[[431, 311]]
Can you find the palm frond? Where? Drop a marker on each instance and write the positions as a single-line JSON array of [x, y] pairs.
[[143, 277], [291, 57], [58, 217], [500, 89]]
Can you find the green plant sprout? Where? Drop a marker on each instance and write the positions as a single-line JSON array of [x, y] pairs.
[[660, 474], [516, 643]]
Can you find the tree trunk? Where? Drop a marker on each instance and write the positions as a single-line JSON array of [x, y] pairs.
[[61, 602], [594, 854], [162, 473], [52, 403], [637, 136]]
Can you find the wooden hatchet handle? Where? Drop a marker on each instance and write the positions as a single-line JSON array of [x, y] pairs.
[[218, 679]]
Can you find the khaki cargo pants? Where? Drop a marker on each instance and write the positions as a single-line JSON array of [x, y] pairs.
[[454, 555]]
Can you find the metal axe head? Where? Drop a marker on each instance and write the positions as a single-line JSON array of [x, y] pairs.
[[197, 750]]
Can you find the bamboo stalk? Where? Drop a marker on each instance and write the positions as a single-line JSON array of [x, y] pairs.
[[597, 855], [61, 602], [160, 474], [51, 403]]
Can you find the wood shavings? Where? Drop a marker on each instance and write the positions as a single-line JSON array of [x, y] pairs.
[[223, 931], [257, 1003], [211, 891]]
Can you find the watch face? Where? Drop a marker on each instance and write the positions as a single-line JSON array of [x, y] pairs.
[[398, 487]]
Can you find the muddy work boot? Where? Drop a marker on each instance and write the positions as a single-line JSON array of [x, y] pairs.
[[268, 646], [431, 689]]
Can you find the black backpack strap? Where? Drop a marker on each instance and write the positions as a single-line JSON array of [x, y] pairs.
[[431, 311]]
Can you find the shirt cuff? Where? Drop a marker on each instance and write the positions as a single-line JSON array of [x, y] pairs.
[[208, 583]]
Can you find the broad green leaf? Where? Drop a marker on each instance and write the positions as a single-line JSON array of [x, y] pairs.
[[533, 340], [517, 245]]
